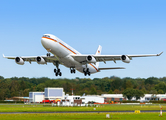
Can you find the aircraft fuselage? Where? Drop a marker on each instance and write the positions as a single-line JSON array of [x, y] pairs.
[[63, 51]]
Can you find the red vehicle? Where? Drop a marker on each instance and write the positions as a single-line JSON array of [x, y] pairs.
[[46, 101], [51, 101]]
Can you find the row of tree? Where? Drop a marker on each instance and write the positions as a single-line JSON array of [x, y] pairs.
[[10, 87]]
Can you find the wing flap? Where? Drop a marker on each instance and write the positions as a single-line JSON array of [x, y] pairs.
[[104, 58], [111, 68], [99, 58]]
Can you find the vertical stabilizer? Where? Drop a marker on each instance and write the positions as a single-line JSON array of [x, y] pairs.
[[98, 52]]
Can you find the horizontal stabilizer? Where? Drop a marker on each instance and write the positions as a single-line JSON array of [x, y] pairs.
[[111, 68]]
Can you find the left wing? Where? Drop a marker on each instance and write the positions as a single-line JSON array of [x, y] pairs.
[[103, 58]]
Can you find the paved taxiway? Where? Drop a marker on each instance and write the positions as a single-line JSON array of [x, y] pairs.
[[142, 111]]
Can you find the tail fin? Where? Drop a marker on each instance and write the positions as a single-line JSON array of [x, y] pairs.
[[98, 52]]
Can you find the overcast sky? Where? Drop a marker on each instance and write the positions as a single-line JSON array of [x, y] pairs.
[[119, 26]]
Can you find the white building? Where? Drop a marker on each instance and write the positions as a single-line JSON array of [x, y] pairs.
[[71, 100], [112, 97], [48, 94], [119, 97], [157, 97], [54, 93], [36, 97], [95, 99], [81, 100]]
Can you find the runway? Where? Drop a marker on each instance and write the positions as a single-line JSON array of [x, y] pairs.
[[142, 111]]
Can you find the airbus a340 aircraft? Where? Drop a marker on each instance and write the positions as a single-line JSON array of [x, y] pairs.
[[69, 57]]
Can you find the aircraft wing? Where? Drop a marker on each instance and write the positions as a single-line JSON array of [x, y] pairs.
[[33, 58], [104, 58]]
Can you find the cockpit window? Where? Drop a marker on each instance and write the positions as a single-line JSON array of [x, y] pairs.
[[46, 36]]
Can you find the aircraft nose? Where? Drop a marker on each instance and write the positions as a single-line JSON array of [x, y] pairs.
[[44, 42]]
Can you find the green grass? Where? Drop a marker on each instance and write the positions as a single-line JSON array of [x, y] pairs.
[[41, 108], [83, 116]]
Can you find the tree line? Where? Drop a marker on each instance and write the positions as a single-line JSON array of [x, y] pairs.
[[10, 87]]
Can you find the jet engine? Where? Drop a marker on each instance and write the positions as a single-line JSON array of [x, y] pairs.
[[19, 61], [125, 58], [90, 59], [40, 60]]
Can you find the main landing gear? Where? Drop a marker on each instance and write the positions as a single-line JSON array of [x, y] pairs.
[[72, 70], [86, 71], [57, 71]]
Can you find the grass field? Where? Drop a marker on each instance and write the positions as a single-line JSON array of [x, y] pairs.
[[83, 116], [41, 108]]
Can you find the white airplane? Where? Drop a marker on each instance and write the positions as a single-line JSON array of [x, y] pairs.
[[69, 57]]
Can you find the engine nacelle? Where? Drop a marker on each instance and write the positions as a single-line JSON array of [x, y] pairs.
[[40, 60], [125, 58], [90, 59], [19, 61]]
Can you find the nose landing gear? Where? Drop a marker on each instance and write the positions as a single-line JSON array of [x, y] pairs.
[[48, 54]]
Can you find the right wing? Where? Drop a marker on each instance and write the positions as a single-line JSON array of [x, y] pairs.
[[34, 58]]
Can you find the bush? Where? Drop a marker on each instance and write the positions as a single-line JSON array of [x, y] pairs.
[[160, 101], [1, 101], [130, 101]]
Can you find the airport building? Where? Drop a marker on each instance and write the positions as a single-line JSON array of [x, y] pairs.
[[81, 100], [92, 99], [54, 93], [156, 97], [74, 100], [36, 97], [48, 94], [113, 97], [58, 94], [119, 97]]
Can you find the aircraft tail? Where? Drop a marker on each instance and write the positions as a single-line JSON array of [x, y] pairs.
[[98, 52]]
